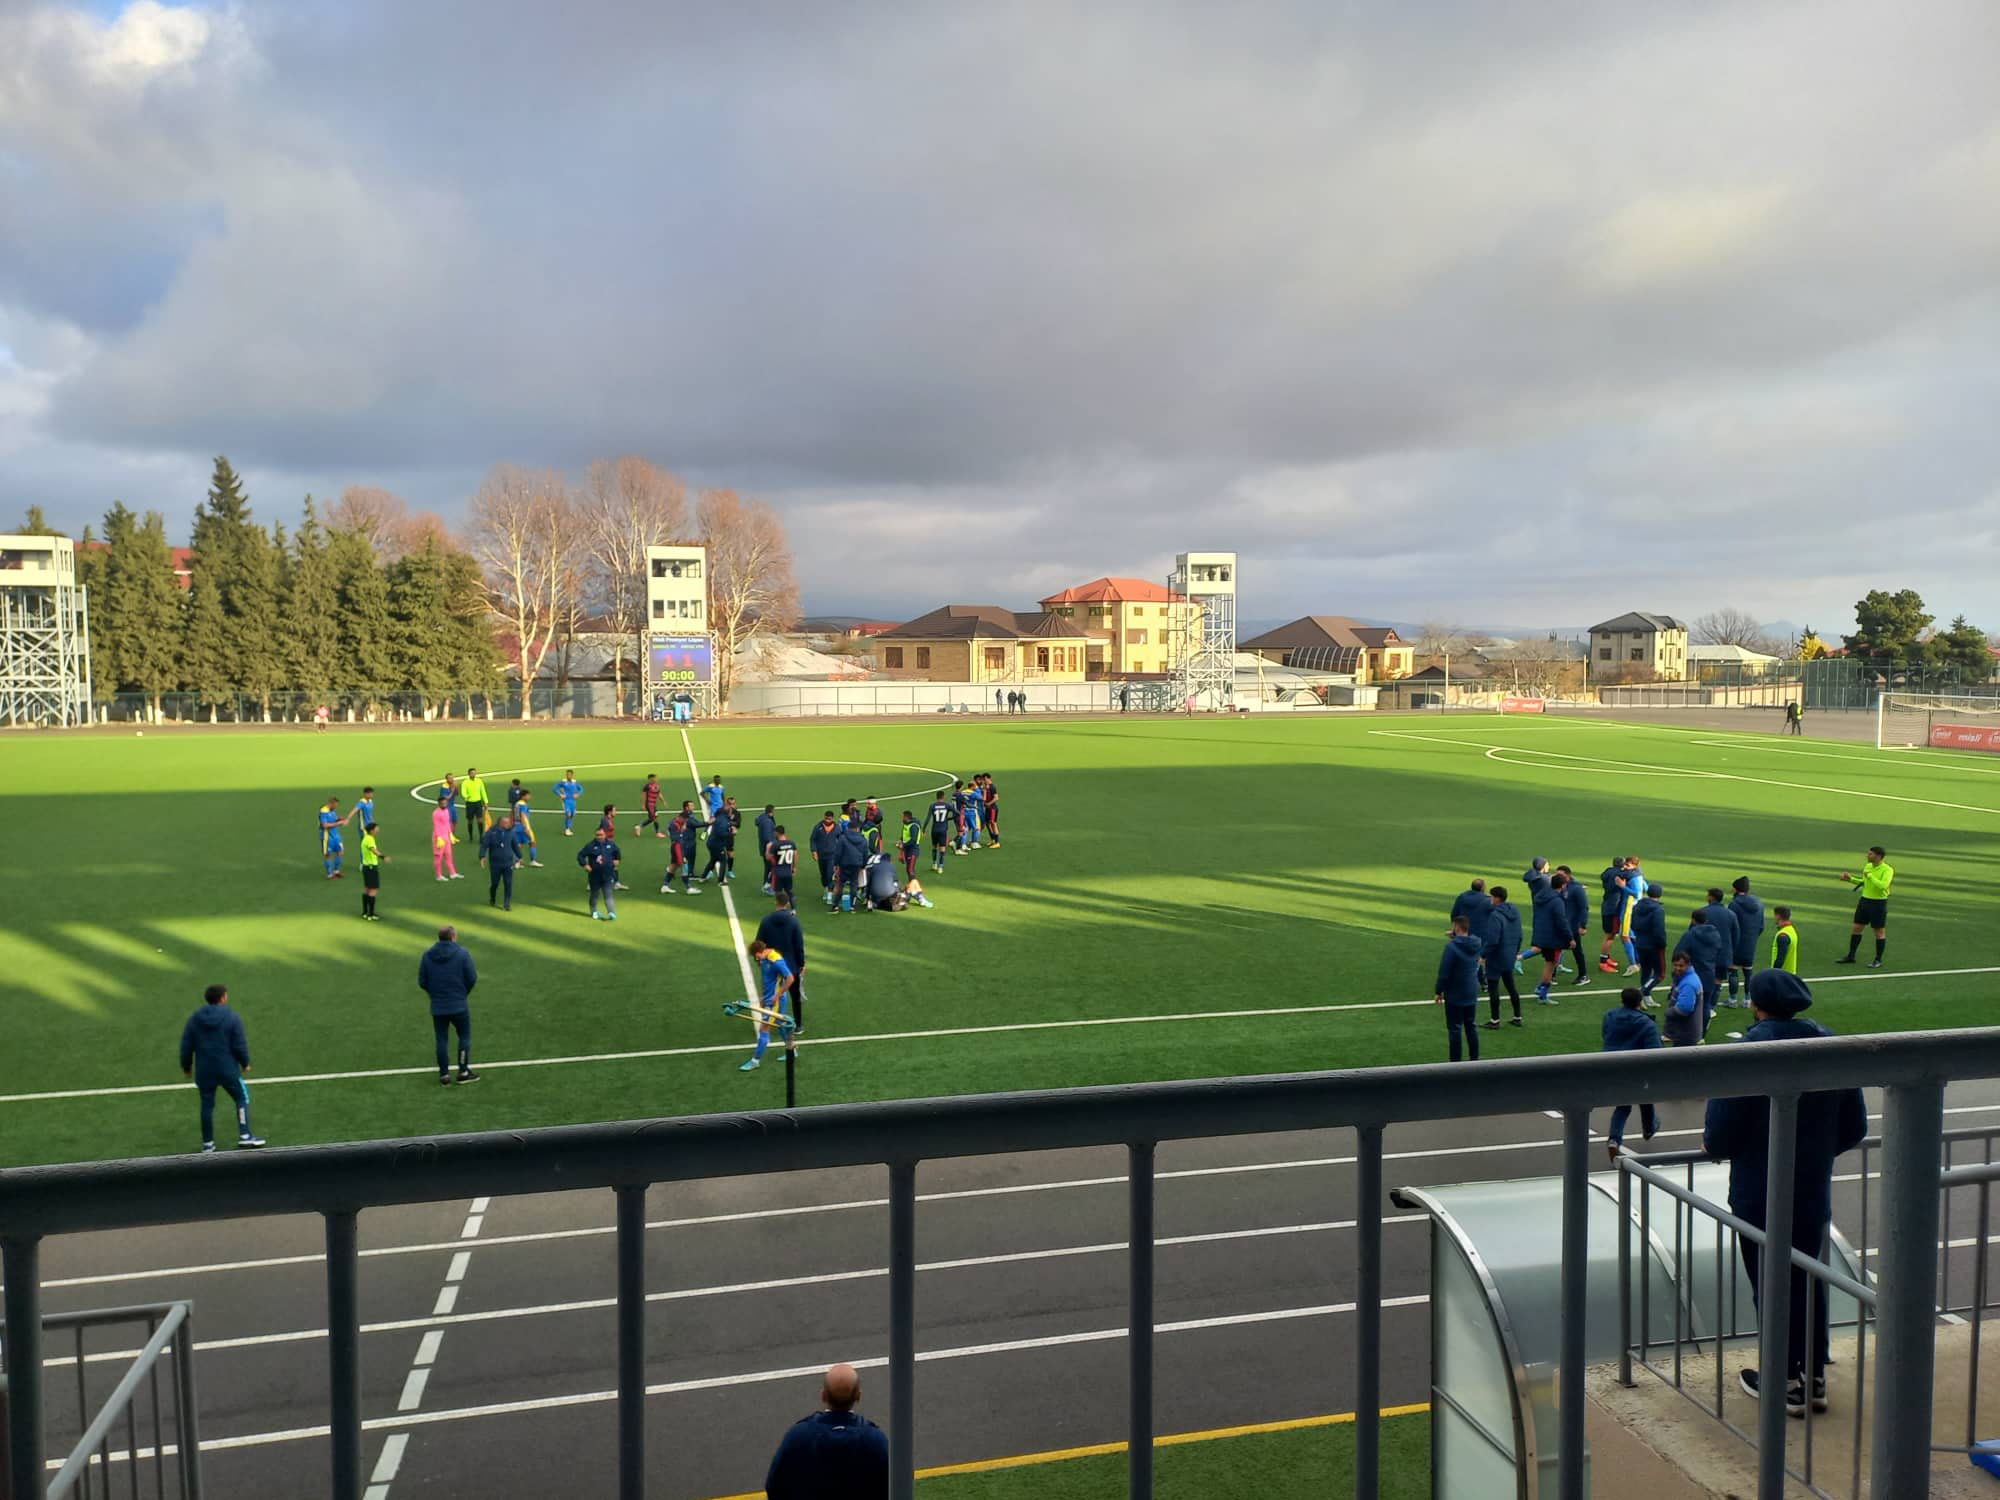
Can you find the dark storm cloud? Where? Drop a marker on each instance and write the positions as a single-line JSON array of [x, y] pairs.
[[1355, 291]]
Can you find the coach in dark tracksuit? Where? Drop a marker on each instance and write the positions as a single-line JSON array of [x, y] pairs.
[[1551, 933], [1723, 920], [1579, 921], [824, 843], [782, 930], [767, 829], [215, 1053], [1649, 940], [851, 853], [1536, 877], [497, 853], [1703, 946], [1473, 905], [446, 974], [1503, 949], [1830, 1122], [1749, 911], [1458, 989]]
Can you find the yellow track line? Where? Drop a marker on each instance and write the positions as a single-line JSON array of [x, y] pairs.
[[1099, 1450]]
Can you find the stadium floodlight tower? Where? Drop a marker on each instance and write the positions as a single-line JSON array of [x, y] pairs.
[[44, 633], [680, 639], [1204, 672]]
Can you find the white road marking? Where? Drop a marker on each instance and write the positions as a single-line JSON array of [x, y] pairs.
[[447, 1300], [728, 899], [471, 1230], [427, 1348], [895, 1036], [759, 1377], [413, 1388], [459, 1263]]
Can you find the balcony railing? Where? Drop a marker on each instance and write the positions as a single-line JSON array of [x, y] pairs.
[[338, 1182]]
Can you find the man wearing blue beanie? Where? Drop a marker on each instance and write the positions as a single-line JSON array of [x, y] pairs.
[[1830, 1122]]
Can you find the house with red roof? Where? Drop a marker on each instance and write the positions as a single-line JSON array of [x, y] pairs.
[[1134, 625]]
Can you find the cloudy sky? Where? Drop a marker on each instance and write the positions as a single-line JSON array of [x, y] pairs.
[[1511, 314]]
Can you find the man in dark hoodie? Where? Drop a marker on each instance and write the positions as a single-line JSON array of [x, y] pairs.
[[824, 842], [1723, 920], [834, 1454], [446, 974], [1472, 904], [851, 856], [1703, 946], [1830, 1122], [1503, 951], [1552, 932], [1458, 988], [1630, 1029], [1579, 919], [1649, 940], [1749, 912], [215, 1053]]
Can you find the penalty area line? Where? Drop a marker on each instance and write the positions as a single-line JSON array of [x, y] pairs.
[[1072, 1023]]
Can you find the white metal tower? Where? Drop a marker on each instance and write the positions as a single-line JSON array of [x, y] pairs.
[[1205, 665], [44, 633]]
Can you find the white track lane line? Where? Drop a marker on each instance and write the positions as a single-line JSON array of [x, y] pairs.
[[428, 1349], [849, 1205], [895, 1036], [758, 1377], [728, 900]]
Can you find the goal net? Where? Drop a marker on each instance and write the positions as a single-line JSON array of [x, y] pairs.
[[1934, 721]]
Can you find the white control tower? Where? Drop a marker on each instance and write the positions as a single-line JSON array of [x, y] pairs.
[[1205, 669], [44, 633]]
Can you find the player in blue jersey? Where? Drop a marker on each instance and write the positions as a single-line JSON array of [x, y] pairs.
[[777, 990], [524, 828], [330, 822], [1635, 892], [364, 809], [714, 796], [569, 789]]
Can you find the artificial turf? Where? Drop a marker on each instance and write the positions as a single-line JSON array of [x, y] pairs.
[[1149, 867]]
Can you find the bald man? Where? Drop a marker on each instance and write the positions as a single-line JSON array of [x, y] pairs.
[[834, 1454]]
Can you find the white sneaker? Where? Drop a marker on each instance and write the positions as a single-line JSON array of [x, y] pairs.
[[666, 890]]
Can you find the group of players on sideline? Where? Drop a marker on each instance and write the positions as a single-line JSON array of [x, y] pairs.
[[1718, 952]]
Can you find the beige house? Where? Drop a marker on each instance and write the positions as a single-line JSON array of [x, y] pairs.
[[1135, 627], [1639, 647], [982, 643], [1334, 643]]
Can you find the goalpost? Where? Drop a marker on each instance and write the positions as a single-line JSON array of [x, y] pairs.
[[1937, 721]]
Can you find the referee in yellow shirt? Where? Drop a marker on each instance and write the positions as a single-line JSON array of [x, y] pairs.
[[1872, 910]]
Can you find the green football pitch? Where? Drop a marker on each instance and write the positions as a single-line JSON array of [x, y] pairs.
[[1172, 899]]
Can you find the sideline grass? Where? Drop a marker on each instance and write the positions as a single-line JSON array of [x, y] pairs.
[[1149, 866]]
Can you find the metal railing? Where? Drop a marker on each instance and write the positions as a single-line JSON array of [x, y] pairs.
[[1686, 1265], [174, 1448], [338, 1182]]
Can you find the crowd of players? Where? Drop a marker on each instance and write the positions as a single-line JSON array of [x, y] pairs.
[[1708, 968]]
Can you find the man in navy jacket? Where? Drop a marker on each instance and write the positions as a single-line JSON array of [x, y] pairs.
[[1706, 955], [1458, 988], [215, 1053], [1551, 934], [1749, 912], [1503, 951], [1630, 1029], [834, 1454], [1830, 1122], [1472, 904], [1649, 939], [445, 973], [1723, 920]]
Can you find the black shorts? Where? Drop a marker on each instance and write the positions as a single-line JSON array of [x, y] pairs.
[[371, 877], [1871, 911], [1612, 921], [474, 811], [939, 837], [781, 880]]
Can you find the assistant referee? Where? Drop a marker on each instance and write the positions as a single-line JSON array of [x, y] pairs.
[[1872, 910]]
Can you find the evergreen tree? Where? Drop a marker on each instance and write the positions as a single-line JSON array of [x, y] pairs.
[[365, 666], [37, 524], [1962, 648], [110, 607], [155, 611], [470, 648], [205, 660], [251, 607], [312, 612], [93, 562], [420, 605], [220, 527]]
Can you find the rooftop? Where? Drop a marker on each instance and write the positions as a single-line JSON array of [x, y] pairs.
[[1113, 591]]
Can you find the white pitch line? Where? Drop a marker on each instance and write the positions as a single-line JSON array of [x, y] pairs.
[[1868, 758], [652, 1053], [760, 1377], [423, 791], [728, 897]]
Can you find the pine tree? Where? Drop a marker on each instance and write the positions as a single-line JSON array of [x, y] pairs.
[[37, 524], [420, 605], [205, 660], [365, 666], [219, 544], [312, 613], [470, 648], [155, 611], [252, 609]]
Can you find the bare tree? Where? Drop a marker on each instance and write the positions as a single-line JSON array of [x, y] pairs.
[[1435, 638], [524, 536], [751, 589], [386, 520], [1735, 627], [629, 505]]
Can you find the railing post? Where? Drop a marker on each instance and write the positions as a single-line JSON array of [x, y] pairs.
[[1905, 1308], [343, 1342], [631, 1200], [1624, 1278], [1774, 1297], [1575, 1304], [1139, 1329], [902, 1330], [1368, 1313], [21, 1262], [186, 1418]]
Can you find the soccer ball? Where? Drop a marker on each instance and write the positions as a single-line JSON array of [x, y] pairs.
[[139, 734]]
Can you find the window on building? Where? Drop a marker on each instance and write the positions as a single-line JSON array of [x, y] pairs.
[[996, 658], [659, 609], [1074, 664], [1604, 653], [1638, 653], [1135, 637], [1042, 658], [892, 656], [923, 656]]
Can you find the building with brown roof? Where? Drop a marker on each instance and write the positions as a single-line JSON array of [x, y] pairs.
[[1135, 626], [982, 643], [1335, 643]]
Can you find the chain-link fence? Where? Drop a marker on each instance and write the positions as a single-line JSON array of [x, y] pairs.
[[578, 700]]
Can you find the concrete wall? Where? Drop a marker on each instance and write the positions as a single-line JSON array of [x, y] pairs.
[[797, 699]]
